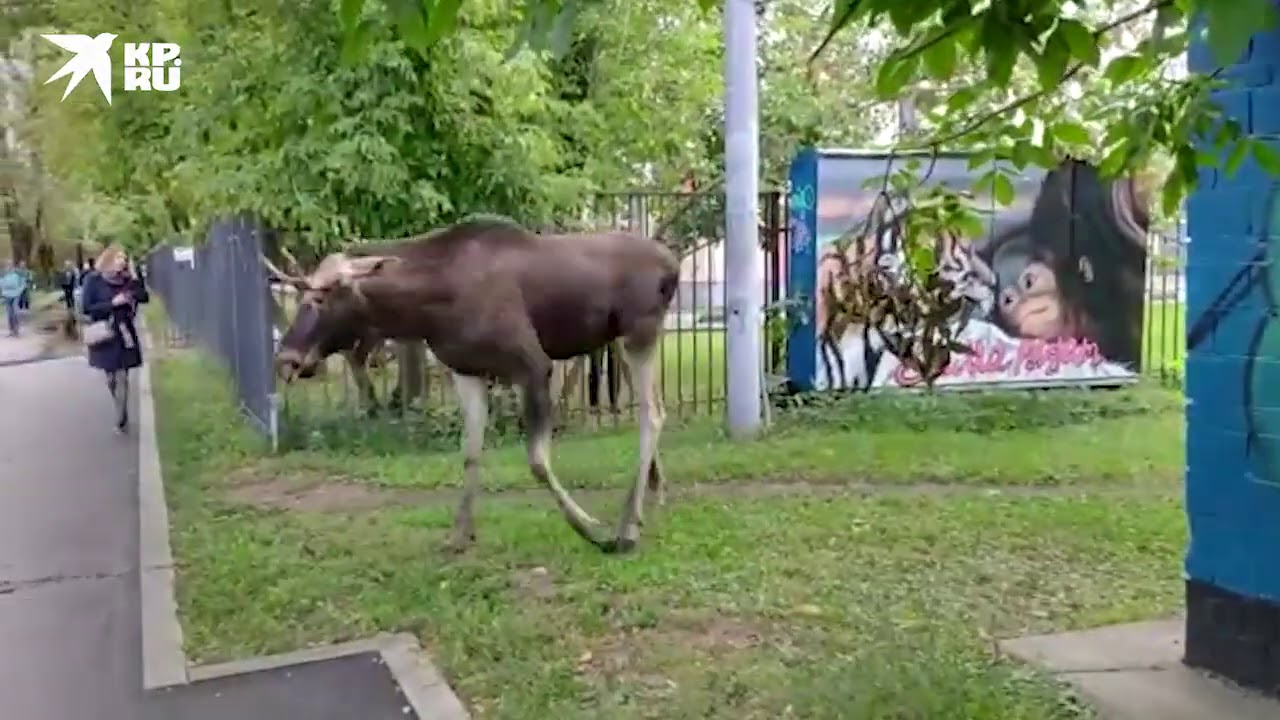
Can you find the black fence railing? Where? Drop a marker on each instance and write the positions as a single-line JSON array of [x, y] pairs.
[[218, 296], [414, 393]]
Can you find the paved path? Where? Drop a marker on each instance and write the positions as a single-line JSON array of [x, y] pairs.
[[69, 619], [70, 611], [23, 348], [355, 687]]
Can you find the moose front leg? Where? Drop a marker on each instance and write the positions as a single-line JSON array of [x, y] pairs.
[[357, 359], [473, 396]]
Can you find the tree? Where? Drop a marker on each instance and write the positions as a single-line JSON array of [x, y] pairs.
[[1140, 119]]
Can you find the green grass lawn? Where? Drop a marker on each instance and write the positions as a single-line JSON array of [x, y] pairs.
[[1164, 338], [928, 528]]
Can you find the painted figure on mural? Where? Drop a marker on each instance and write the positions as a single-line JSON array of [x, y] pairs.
[[1076, 269], [1056, 295], [1254, 291]]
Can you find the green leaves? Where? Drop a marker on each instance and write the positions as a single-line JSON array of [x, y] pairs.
[[1080, 41], [1051, 65], [1002, 189], [996, 183], [356, 42], [411, 21], [1230, 24], [1238, 153], [349, 13], [940, 58], [1072, 133], [1267, 157], [442, 18], [1126, 68], [894, 75], [1000, 62]]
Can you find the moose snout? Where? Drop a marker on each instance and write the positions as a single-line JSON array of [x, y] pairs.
[[289, 365]]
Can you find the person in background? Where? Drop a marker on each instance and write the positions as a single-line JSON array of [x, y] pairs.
[[112, 294], [24, 303], [13, 283], [68, 279]]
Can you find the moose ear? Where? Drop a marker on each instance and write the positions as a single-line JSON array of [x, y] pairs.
[[363, 267]]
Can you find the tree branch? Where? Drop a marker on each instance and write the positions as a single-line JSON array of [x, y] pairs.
[[1024, 100]]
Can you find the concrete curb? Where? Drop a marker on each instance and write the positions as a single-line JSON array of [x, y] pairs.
[[164, 664], [425, 690], [163, 661]]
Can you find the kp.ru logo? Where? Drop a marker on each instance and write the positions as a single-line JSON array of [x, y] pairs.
[[159, 71]]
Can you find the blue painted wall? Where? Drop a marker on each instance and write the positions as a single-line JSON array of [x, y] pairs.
[[1233, 363], [802, 265]]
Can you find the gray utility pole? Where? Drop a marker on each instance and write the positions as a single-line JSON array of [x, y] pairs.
[[743, 261]]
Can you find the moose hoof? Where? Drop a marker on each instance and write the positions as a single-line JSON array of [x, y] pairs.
[[458, 544], [618, 546]]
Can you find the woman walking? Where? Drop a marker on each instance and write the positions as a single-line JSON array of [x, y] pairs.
[[111, 296]]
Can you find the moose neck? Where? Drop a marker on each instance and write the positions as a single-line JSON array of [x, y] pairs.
[[406, 309]]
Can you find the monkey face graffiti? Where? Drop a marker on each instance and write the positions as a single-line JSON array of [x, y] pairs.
[[1031, 303]]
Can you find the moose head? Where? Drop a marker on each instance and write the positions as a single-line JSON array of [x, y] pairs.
[[330, 315]]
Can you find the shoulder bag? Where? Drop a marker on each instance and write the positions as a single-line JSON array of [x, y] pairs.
[[99, 332]]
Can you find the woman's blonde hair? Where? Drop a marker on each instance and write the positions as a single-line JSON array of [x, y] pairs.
[[108, 257]]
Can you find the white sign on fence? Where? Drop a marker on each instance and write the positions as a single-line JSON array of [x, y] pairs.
[[186, 254]]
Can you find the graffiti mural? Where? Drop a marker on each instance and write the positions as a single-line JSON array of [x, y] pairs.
[[1250, 303], [1053, 294]]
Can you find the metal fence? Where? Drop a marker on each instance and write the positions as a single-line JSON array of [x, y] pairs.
[[414, 393], [218, 296], [1164, 329], [215, 296]]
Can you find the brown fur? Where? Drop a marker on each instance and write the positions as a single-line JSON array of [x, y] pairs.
[[493, 300]]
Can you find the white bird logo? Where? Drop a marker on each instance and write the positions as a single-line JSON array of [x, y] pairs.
[[91, 56]]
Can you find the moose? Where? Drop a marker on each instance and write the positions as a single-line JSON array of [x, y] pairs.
[[495, 301], [363, 348]]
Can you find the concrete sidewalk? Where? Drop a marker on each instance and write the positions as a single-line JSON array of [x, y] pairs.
[[26, 347], [69, 621], [84, 570], [1135, 672]]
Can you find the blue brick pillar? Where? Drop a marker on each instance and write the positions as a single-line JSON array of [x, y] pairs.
[[1233, 391]]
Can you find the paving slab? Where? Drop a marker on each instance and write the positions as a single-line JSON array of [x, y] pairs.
[[26, 347], [353, 687], [69, 623], [1135, 672]]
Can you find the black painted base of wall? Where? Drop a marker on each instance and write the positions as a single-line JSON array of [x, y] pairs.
[[1234, 636]]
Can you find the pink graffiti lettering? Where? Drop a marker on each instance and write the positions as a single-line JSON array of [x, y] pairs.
[[1012, 359]]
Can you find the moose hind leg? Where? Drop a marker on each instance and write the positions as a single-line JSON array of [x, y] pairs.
[[657, 477], [651, 416], [473, 395], [537, 407]]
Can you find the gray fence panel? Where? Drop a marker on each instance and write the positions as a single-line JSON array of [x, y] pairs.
[[220, 302]]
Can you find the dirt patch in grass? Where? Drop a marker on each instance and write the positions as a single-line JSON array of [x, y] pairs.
[[535, 582], [301, 493], [630, 655]]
